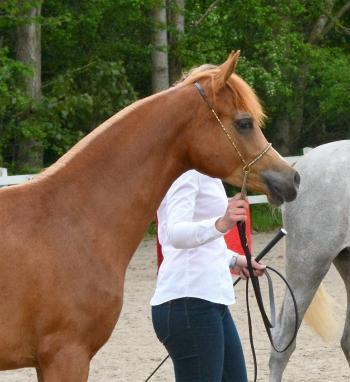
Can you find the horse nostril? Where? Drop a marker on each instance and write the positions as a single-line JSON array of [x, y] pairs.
[[297, 179]]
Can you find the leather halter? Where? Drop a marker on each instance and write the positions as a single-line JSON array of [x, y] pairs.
[[246, 165]]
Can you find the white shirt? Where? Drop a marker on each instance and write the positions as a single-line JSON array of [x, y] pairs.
[[196, 258]]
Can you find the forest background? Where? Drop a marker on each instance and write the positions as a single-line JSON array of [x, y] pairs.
[[67, 65]]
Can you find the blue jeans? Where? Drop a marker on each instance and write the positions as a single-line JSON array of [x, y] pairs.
[[201, 339]]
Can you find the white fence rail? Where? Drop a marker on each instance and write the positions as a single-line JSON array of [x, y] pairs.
[[10, 180]]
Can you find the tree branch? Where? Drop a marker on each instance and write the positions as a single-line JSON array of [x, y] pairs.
[[206, 13], [318, 29], [335, 20], [70, 72], [343, 10]]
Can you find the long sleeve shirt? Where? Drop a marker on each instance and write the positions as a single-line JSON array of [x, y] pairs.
[[196, 258]]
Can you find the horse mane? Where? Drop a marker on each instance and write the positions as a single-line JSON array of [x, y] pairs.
[[244, 98]]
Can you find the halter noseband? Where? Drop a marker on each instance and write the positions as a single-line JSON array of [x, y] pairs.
[[246, 166]]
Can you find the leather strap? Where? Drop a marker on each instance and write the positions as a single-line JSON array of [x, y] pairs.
[[256, 286]]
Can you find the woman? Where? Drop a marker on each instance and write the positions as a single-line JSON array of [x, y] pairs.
[[194, 287]]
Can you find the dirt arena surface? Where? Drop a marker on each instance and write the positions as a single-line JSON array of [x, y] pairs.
[[133, 351]]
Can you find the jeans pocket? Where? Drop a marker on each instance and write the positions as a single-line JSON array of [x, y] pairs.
[[161, 321]]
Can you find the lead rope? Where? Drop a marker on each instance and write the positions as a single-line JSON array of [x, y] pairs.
[[241, 226]]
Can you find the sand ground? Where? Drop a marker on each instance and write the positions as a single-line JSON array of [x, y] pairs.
[[133, 351]]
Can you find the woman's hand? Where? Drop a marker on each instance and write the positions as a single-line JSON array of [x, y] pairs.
[[235, 212], [241, 267]]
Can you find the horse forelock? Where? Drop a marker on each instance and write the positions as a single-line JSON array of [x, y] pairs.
[[244, 97]]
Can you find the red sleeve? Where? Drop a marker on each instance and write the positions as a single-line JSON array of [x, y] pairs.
[[232, 237], [159, 247]]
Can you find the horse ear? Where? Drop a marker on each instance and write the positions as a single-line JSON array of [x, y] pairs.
[[226, 69]]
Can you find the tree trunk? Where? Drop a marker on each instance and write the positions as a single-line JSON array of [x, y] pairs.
[[160, 74], [30, 152], [284, 131], [177, 21]]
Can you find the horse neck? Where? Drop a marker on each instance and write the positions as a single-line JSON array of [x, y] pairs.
[[116, 177]]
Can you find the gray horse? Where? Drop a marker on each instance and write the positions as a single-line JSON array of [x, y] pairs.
[[318, 226]]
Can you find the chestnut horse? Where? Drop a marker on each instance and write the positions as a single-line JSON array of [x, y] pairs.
[[67, 237]]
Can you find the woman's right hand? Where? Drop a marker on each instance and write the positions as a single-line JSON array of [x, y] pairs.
[[235, 212]]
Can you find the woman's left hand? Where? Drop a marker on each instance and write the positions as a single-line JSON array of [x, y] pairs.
[[242, 269]]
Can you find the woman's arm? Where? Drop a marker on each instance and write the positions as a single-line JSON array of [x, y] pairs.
[[182, 231]]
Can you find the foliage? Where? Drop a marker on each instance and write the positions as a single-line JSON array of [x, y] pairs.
[[78, 101], [83, 82], [327, 105], [13, 101], [152, 230], [274, 38]]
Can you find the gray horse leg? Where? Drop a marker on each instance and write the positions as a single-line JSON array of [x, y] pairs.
[[304, 279], [342, 263]]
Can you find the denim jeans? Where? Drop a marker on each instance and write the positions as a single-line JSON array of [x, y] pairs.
[[201, 339]]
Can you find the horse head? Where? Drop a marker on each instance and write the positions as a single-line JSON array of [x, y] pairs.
[[226, 134]]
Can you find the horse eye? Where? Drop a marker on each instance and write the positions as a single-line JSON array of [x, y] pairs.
[[244, 123]]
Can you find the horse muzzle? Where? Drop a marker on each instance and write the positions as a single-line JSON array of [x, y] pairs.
[[282, 186]]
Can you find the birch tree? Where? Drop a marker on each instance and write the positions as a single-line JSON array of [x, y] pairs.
[[177, 31], [28, 51], [160, 70]]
